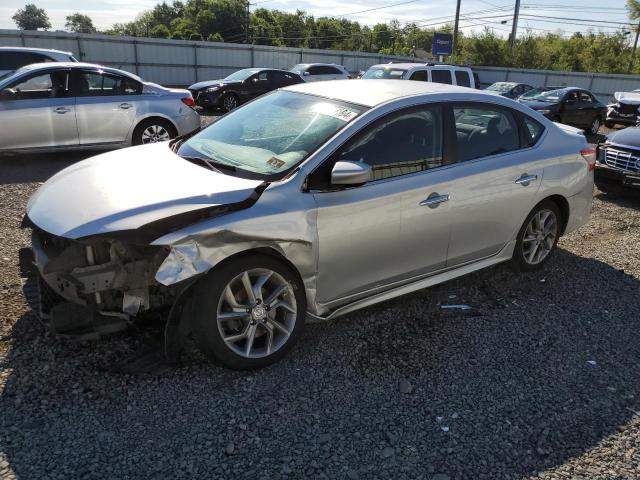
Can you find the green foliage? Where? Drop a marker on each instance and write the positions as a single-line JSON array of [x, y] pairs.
[[31, 18], [195, 37], [79, 23], [225, 20]]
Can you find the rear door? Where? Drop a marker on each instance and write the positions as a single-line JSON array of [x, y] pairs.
[[38, 111], [106, 105], [497, 176]]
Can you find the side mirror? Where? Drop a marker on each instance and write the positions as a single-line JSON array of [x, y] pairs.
[[7, 94], [569, 101], [350, 173]]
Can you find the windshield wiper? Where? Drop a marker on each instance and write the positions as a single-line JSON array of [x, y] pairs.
[[212, 164]]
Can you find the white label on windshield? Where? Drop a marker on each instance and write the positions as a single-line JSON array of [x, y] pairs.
[[341, 113]]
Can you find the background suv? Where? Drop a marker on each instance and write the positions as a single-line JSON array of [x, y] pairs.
[[459, 75], [12, 58]]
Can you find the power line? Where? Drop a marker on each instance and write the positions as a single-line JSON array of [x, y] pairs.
[[376, 8], [574, 19]]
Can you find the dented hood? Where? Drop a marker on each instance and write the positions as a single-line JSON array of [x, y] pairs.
[[126, 189]]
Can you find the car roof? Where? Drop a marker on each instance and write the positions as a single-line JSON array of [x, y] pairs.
[[408, 65], [319, 64], [34, 50], [370, 92], [77, 65]]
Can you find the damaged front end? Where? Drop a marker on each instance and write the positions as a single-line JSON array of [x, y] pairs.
[[97, 285]]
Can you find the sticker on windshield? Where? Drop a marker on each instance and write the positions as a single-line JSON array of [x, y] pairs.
[[275, 162], [341, 113]]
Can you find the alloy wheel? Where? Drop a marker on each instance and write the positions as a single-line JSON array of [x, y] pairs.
[[154, 134], [595, 126], [256, 313], [230, 103], [539, 237]]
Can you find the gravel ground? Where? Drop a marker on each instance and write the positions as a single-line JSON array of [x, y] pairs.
[[540, 380]]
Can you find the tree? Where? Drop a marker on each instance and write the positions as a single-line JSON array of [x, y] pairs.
[[79, 23], [160, 31], [31, 18], [215, 37], [633, 8]]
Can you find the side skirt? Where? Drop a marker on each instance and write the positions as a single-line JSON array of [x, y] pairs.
[[505, 254]]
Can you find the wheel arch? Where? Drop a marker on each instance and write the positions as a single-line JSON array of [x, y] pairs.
[[151, 116], [563, 205]]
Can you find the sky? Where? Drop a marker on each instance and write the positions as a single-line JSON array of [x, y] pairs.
[[475, 14]]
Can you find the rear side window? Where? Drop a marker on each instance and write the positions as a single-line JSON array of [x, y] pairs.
[[485, 130], [441, 76], [585, 97], [400, 144], [462, 78], [96, 84], [533, 130], [421, 76]]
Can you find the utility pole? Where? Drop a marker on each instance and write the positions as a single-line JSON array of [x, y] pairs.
[[246, 22], [455, 29], [633, 52], [514, 27]]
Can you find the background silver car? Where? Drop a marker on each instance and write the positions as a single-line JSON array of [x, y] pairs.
[[318, 199], [67, 105], [12, 58]]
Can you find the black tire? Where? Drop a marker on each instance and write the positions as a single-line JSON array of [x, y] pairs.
[[518, 260], [150, 123], [594, 127], [229, 101], [609, 124], [209, 295]]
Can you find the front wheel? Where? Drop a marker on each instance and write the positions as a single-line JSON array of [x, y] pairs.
[[249, 312], [537, 237], [229, 102]]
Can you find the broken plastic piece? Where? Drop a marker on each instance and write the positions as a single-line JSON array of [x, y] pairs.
[[591, 362], [456, 307]]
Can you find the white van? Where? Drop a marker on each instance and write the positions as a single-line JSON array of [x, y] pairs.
[[460, 75]]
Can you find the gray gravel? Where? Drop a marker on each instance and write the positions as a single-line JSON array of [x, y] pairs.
[[541, 379]]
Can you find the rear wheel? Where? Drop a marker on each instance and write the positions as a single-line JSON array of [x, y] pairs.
[[153, 130], [249, 312], [538, 237]]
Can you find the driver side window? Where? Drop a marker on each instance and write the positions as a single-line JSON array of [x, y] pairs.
[[398, 144], [48, 85]]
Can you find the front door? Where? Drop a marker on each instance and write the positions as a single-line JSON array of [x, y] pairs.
[[391, 228], [37, 111], [106, 106], [496, 180]]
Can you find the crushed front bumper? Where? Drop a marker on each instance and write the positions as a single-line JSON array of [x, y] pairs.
[[96, 283]]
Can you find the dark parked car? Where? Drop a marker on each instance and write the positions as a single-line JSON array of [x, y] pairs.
[[625, 110], [241, 86], [510, 89], [569, 105], [618, 160]]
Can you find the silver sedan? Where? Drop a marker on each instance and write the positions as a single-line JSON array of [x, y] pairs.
[[80, 105], [316, 200]]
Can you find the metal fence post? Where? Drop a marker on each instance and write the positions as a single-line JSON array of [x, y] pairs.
[[195, 61], [22, 39], [80, 53], [135, 56], [253, 53]]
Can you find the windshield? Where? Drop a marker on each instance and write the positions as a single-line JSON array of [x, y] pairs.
[[545, 96], [268, 137], [501, 87], [385, 72], [241, 74], [298, 68]]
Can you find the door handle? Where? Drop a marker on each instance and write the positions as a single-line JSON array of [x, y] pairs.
[[525, 179], [61, 110], [125, 106], [433, 200]]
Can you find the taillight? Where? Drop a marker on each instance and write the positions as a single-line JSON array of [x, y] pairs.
[[589, 154], [188, 101]]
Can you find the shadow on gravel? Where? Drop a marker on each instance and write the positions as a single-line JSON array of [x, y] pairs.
[[41, 165], [622, 197], [543, 369]]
